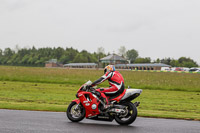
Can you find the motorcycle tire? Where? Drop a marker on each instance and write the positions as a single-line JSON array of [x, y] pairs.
[[131, 107], [71, 117]]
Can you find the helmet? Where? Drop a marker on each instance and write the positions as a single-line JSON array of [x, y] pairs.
[[109, 68]]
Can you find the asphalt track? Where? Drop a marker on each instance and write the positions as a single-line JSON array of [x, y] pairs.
[[15, 121]]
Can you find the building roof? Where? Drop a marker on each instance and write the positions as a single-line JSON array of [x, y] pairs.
[[112, 57], [121, 65], [80, 64], [144, 65]]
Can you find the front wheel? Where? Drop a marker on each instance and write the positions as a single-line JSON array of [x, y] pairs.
[[75, 112], [129, 115]]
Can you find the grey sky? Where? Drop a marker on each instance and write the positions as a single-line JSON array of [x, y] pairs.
[[156, 28]]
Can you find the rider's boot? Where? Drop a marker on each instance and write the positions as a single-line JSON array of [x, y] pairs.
[[107, 104], [105, 100]]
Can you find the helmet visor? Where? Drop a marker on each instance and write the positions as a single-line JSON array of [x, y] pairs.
[[105, 70]]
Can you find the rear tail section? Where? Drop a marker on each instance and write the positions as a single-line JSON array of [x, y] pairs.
[[131, 94]]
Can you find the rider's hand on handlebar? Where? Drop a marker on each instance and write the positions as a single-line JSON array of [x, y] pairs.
[[96, 93], [89, 87]]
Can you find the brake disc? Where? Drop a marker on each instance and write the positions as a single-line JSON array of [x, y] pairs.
[[125, 113]]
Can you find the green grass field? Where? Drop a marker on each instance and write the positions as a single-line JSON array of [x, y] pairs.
[[168, 95], [143, 80]]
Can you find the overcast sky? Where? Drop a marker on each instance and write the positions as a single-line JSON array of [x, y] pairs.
[[156, 28]]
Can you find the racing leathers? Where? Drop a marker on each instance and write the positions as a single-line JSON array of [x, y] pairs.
[[116, 82]]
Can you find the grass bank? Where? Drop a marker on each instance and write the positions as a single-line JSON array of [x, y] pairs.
[[144, 80], [56, 97]]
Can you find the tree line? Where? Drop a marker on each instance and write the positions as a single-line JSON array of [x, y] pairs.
[[133, 56], [38, 57]]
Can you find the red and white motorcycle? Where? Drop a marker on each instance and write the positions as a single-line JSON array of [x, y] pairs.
[[89, 105]]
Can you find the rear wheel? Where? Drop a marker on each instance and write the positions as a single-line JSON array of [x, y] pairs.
[[75, 112], [129, 115]]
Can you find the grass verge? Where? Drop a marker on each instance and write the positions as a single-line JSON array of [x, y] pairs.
[[144, 80], [56, 97]]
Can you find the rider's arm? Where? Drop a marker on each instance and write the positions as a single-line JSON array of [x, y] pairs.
[[102, 79]]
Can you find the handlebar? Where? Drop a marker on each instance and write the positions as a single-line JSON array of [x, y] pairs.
[[87, 88]]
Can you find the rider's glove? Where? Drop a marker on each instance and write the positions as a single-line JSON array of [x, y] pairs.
[[96, 93], [101, 89], [88, 87]]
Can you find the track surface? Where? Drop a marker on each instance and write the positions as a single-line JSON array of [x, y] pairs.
[[15, 121]]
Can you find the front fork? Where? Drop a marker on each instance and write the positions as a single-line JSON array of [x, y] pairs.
[[78, 104], [77, 107]]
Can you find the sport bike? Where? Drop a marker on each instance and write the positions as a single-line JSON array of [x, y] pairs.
[[89, 105]]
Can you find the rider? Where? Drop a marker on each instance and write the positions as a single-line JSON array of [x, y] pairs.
[[116, 82]]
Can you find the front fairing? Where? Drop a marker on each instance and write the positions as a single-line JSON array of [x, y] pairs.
[[90, 103]]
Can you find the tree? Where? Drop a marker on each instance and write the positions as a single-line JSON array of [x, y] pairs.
[[157, 60], [100, 53], [7, 55], [143, 60], [17, 48], [8, 52], [80, 59], [1, 56], [71, 54], [174, 63], [166, 61], [38, 57], [181, 62], [63, 59], [122, 51], [25, 59], [132, 55], [187, 62], [1, 52], [100, 50]]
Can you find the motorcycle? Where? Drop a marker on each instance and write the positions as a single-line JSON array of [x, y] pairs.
[[89, 105]]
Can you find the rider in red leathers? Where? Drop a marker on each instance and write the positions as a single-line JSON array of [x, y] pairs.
[[116, 82]]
